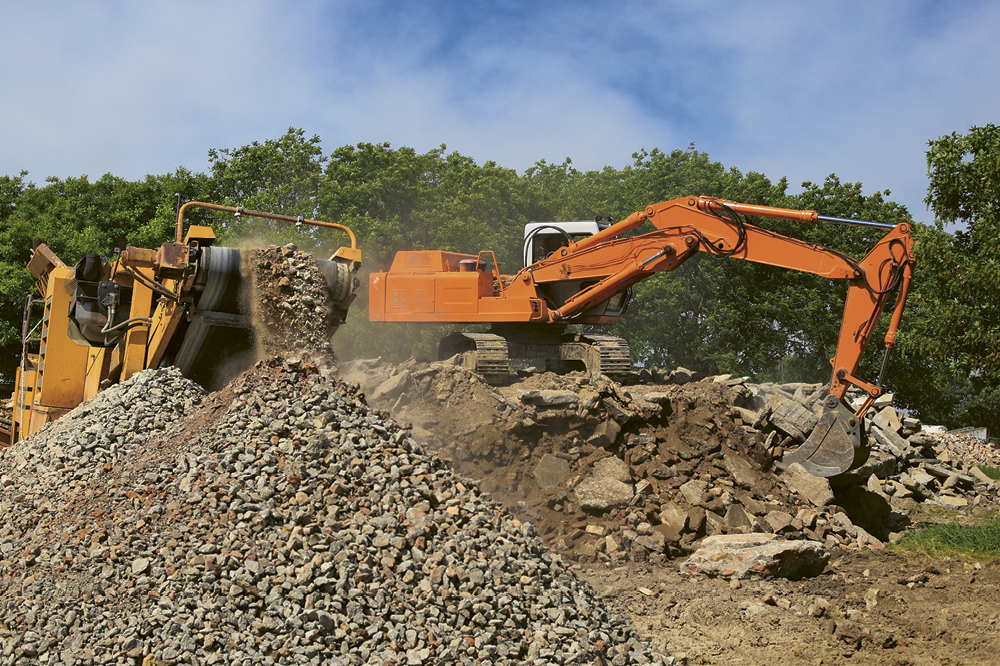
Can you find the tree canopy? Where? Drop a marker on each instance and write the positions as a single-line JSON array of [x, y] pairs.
[[710, 315]]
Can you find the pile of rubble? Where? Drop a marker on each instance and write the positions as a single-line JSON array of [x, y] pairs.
[[278, 521], [644, 472]]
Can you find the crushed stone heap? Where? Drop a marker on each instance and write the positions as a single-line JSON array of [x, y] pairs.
[[282, 521]]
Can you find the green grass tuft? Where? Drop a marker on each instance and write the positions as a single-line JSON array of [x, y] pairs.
[[992, 472], [955, 541]]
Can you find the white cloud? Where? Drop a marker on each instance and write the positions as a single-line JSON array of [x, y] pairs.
[[781, 88]]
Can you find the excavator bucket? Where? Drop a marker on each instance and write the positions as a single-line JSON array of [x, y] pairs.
[[837, 443]]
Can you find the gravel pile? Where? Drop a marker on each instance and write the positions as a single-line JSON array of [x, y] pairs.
[[284, 522]]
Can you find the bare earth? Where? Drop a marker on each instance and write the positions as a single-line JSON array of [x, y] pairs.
[[866, 608]]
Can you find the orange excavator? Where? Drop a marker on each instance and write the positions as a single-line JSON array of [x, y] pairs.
[[581, 273]]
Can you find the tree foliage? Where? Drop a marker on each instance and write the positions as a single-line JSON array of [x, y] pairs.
[[711, 315], [954, 336]]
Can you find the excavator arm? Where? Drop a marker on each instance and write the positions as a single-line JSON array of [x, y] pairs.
[[690, 225], [684, 227]]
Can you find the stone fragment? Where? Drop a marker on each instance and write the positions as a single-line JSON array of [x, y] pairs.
[[654, 543], [744, 472], [714, 523], [693, 491], [674, 516], [952, 502], [602, 493], [736, 517], [888, 420], [981, 476], [392, 387], [605, 433], [551, 471], [791, 417], [612, 467], [696, 519], [778, 521], [549, 398], [815, 489], [756, 555]]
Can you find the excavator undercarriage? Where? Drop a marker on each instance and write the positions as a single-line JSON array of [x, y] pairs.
[[490, 353]]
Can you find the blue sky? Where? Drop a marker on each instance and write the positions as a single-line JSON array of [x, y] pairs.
[[788, 89]]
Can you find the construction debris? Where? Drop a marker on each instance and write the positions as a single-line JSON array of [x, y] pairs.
[[645, 472]]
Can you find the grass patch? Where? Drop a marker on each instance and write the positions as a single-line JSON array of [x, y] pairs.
[[992, 472], [955, 541]]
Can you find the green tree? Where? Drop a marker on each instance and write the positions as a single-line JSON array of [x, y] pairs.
[[277, 176], [956, 304]]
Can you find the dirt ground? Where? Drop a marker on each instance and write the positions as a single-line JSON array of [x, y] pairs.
[[867, 607]]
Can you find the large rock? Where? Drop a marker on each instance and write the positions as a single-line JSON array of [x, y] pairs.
[[393, 386], [757, 555], [693, 491], [603, 493], [612, 467], [605, 433], [549, 398], [674, 516], [815, 489], [743, 471], [791, 417], [551, 471]]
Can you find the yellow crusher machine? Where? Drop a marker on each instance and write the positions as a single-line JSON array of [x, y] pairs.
[[100, 323]]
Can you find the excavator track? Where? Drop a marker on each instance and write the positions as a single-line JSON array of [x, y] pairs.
[[489, 354], [484, 353], [612, 355]]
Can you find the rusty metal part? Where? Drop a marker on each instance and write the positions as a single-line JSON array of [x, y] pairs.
[[347, 253]]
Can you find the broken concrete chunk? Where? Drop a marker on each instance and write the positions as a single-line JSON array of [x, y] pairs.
[[605, 433], [612, 467], [952, 502], [391, 388], [890, 418], [981, 477], [551, 471], [736, 517], [891, 441], [548, 398], [744, 472], [815, 489], [791, 417], [742, 556], [674, 516], [602, 493], [693, 491], [682, 376], [654, 542], [778, 520]]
